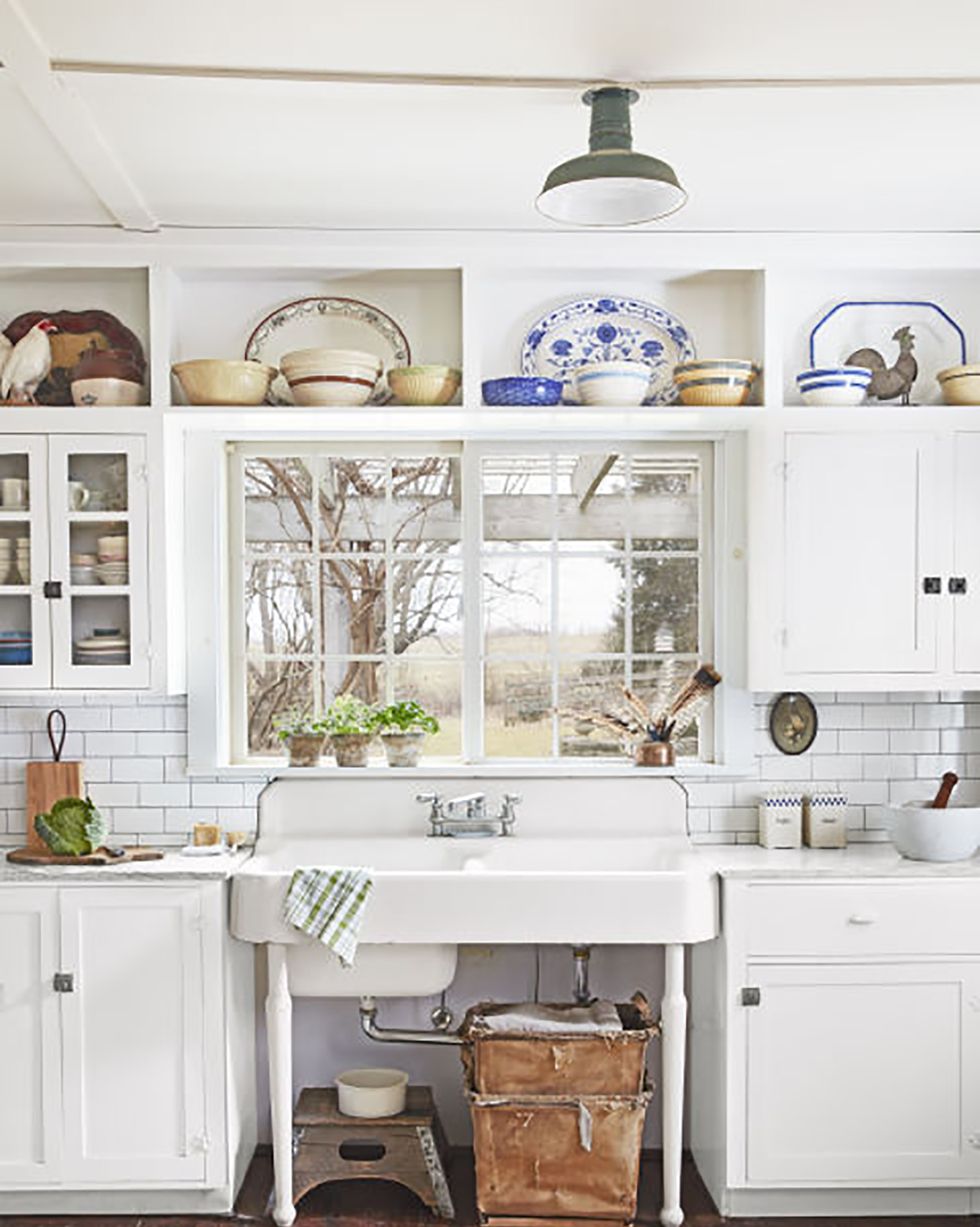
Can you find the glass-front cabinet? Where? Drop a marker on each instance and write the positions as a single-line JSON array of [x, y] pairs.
[[73, 562]]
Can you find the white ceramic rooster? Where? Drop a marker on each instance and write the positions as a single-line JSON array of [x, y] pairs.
[[28, 364]]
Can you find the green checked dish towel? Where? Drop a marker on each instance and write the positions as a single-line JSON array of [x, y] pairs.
[[329, 904]]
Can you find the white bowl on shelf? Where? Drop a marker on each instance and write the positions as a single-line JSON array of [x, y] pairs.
[[331, 377], [922, 833], [372, 1093], [834, 385], [623, 384]]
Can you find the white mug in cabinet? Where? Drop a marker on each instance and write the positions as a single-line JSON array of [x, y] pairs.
[[825, 820], [781, 820], [13, 491], [78, 496]]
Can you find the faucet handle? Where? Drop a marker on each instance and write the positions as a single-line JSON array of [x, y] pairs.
[[428, 798], [513, 798]]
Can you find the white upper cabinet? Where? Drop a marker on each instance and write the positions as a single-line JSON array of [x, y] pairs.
[[865, 561], [963, 585], [74, 581], [860, 527]]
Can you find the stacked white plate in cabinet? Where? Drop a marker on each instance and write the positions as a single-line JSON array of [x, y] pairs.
[[103, 647]]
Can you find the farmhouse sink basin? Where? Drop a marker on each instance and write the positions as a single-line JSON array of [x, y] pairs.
[[591, 861], [523, 888]]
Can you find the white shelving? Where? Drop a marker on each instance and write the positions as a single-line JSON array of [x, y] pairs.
[[467, 299]]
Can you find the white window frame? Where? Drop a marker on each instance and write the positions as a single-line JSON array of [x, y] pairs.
[[210, 510]]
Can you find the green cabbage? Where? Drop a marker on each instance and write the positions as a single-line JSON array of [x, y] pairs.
[[74, 827]]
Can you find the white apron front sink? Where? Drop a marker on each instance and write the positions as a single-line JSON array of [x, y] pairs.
[[523, 888], [593, 860]]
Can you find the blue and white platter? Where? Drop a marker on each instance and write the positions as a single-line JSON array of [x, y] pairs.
[[608, 330]]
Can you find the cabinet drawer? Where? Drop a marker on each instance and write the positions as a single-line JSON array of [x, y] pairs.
[[863, 918]]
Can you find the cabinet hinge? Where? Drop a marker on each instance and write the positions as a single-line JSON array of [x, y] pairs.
[[63, 982], [751, 996]]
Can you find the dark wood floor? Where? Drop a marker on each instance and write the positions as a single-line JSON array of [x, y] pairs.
[[368, 1203]]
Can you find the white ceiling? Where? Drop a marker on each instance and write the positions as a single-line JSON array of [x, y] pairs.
[[196, 151]]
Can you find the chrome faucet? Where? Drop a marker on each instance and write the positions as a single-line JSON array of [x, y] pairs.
[[467, 816]]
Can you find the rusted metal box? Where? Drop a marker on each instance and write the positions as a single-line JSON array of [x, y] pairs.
[[558, 1157], [516, 1063]]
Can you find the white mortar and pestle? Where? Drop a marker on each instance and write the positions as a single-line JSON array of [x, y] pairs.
[[935, 830]]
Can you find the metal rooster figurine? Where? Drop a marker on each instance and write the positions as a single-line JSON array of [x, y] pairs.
[[888, 382]]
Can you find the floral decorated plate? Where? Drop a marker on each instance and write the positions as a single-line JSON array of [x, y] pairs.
[[341, 323], [608, 330]]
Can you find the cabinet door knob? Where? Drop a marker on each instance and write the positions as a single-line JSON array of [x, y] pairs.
[[932, 585], [957, 585], [861, 918]]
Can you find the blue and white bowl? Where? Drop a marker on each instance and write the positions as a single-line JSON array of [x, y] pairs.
[[624, 384], [834, 385], [522, 390]]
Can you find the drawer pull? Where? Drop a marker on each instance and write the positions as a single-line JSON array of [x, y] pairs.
[[861, 918]]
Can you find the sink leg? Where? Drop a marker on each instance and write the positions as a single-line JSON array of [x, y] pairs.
[[673, 1022], [279, 1025]]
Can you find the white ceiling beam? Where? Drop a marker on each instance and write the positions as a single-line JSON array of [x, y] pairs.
[[68, 121], [327, 76]]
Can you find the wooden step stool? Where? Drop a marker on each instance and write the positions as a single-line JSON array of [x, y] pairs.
[[408, 1149]]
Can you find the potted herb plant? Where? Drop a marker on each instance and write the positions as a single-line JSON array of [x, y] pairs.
[[304, 738], [350, 724], [403, 727]]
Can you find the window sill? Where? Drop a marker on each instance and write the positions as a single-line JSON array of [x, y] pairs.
[[514, 769]]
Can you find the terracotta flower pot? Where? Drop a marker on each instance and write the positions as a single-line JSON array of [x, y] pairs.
[[305, 749], [403, 749], [654, 754], [351, 749]]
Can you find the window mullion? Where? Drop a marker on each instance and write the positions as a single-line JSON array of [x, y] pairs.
[[471, 529], [554, 643], [316, 472]]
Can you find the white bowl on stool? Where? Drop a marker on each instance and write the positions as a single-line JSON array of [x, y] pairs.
[[372, 1093]]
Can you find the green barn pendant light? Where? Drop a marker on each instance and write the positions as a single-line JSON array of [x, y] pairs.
[[611, 185]]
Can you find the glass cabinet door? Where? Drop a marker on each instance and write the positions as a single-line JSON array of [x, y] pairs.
[[25, 640], [100, 626]]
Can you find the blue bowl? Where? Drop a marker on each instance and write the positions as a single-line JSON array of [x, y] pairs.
[[522, 390]]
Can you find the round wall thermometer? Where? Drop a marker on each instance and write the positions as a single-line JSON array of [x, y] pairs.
[[792, 722]]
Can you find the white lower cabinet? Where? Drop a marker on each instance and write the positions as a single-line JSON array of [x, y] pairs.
[[835, 1049], [864, 1072], [133, 1065]]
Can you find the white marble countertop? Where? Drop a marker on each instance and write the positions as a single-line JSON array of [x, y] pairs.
[[173, 867], [865, 860]]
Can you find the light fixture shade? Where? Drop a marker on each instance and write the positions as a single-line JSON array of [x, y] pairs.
[[611, 185]]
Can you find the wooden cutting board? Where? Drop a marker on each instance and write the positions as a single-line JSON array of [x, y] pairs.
[[45, 784], [32, 856]]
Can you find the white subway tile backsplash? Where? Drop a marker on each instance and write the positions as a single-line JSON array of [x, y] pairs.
[[888, 715], [137, 770], [114, 745], [161, 743], [876, 748], [863, 741]]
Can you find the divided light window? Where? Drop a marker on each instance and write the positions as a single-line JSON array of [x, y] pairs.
[[511, 591]]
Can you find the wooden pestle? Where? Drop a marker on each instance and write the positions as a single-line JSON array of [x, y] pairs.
[[947, 784]]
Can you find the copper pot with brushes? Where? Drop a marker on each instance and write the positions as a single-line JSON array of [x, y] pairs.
[[648, 729]]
